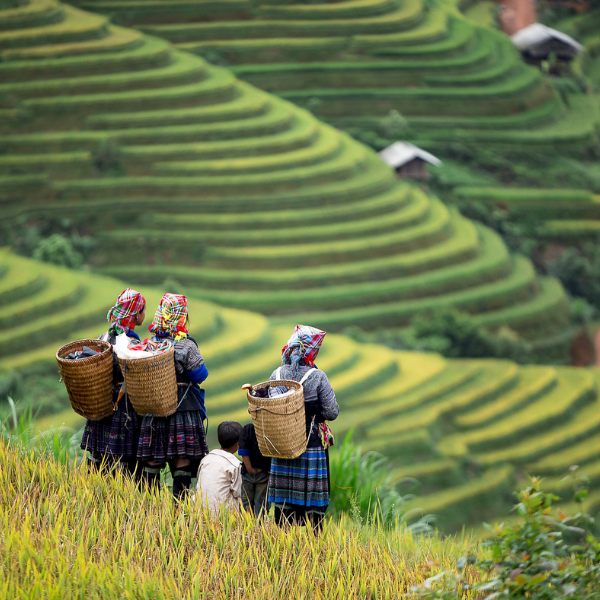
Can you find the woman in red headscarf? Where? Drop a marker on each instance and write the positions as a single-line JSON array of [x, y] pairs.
[[114, 440]]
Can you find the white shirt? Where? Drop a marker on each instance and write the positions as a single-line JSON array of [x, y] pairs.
[[220, 480]]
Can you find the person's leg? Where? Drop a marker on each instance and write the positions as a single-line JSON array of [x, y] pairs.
[[248, 492], [281, 519], [261, 487], [93, 462], [135, 470], [316, 521], [181, 470], [151, 474]]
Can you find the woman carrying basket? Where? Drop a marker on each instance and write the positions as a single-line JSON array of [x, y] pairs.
[[179, 439], [299, 488], [114, 439]]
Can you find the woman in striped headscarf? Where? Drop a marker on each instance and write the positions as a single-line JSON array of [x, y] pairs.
[[115, 438], [299, 488], [180, 439]]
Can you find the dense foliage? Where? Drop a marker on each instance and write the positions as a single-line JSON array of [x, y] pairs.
[[361, 488], [579, 271], [58, 250], [547, 555], [451, 333]]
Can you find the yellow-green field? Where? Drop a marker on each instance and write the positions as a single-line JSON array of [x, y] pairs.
[[67, 534]]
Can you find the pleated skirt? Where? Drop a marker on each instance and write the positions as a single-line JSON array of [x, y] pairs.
[[301, 482], [166, 438], [115, 436]]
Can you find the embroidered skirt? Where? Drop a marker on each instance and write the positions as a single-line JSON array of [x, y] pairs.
[[302, 482], [116, 436], [179, 436]]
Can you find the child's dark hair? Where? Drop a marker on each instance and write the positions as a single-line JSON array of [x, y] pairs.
[[228, 433]]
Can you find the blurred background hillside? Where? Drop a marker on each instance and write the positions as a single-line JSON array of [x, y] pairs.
[[229, 151]]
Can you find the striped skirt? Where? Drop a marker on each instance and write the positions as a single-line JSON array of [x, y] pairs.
[[166, 438], [115, 436], [303, 481]]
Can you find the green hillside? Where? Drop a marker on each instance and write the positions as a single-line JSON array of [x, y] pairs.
[[460, 83], [452, 78], [466, 429], [181, 171]]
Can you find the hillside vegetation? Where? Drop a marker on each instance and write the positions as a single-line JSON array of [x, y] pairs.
[[354, 61], [184, 172], [65, 531], [466, 429], [461, 84]]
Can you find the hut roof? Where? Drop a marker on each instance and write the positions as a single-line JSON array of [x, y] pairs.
[[401, 153], [534, 35]]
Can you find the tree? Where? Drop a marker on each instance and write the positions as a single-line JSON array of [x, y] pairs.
[[58, 250]]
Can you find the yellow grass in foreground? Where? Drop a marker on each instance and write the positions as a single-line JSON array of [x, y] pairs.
[[67, 534]]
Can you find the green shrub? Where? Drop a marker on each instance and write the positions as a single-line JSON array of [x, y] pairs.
[[362, 486], [451, 333], [58, 250], [106, 158], [544, 556], [579, 272]]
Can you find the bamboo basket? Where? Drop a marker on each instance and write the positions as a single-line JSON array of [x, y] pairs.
[[279, 422], [89, 381], [151, 383]]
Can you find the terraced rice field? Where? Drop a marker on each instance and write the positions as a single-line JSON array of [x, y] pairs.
[[466, 429], [561, 214], [452, 75], [242, 197], [354, 61]]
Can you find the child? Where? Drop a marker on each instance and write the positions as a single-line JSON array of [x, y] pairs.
[[255, 473], [220, 473]]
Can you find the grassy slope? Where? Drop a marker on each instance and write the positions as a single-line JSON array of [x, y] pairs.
[[66, 531], [462, 428]]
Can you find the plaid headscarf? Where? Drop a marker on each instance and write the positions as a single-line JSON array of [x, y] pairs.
[[302, 347], [170, 317], [122, 315]]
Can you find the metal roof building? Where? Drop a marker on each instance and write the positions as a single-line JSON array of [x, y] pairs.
[[408, 160], [538, 41]]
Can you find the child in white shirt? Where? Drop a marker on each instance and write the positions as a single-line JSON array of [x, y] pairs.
[[220, 473]]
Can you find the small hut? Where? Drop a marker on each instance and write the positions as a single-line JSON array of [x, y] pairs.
[[408, 160], [537, 42]]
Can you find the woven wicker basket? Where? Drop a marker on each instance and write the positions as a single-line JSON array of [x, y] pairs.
[[152, 383], [89, 381], [279, 422]]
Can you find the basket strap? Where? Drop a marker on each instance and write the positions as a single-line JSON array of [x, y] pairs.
[[184, 395], [278, 373], [307, 375]]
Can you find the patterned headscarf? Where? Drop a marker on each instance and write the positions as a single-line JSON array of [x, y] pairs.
[[122, 315], [302, 347], [171, 316]]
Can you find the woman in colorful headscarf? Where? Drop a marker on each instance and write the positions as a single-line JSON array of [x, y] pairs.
[[299, 488], [115, 438], [179, 440]]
